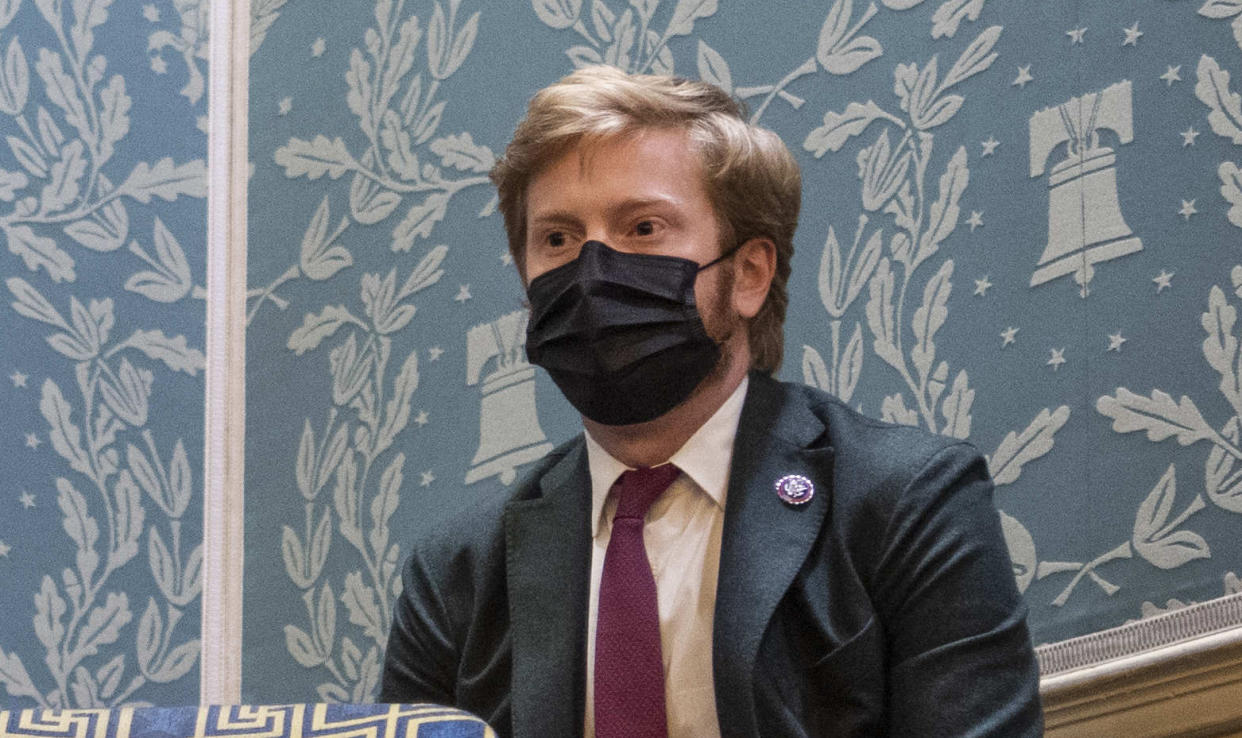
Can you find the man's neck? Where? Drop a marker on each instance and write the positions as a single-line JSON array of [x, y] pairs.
[[654, 442]]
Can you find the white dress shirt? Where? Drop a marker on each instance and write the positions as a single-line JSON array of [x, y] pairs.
[[682, 537]]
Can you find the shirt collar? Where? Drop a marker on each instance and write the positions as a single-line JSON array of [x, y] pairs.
[[705, 458]]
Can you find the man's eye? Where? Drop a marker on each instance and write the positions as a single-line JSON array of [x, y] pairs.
[[556, 238], [645, 228]]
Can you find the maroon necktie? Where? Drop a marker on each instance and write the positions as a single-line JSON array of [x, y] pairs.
[[629, 669]]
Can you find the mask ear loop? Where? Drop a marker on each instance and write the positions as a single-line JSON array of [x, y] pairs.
[[713, 263], [721, 258]]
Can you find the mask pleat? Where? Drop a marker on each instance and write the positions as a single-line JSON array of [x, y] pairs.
[[620, 333]]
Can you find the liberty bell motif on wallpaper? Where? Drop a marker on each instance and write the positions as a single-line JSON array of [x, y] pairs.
[[1085, 225], [509, 432]]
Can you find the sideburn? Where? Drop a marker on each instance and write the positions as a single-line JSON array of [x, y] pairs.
[[719, 318], [721, 322]]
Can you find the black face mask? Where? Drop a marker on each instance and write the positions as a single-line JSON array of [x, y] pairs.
[[620, 333]]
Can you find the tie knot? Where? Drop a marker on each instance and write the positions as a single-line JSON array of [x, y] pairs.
[[637, 489]]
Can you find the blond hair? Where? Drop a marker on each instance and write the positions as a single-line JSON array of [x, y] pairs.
[[752, 180]]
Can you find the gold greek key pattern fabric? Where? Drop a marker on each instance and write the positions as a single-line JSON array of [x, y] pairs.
[[247, 721]]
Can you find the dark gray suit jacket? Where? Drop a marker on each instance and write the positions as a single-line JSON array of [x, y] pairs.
[[885, 605]]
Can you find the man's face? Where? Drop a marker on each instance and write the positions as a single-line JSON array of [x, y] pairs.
[[641, 194]]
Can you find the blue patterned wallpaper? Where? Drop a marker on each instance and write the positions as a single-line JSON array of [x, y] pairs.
[[1021, 227], [102, 180]]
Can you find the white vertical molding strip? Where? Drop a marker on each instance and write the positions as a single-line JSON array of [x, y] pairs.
[[225, 415]]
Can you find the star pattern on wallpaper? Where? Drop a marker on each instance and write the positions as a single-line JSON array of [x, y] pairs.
[[989, 145], [434, 353], [32, 441], [506, 258], [27, 499], [151, 13], [1115, 340], [975, 220], [463, 293], [1076, 35], [5, 549], [422, 418], [1132, 35], [318, 46], [426, 478], [1171, 75], [1024, 76], [982, 285], [1056, 359], [18, 379], [1188, 136], [1187, 209], [1163, 280], [1008, 336]]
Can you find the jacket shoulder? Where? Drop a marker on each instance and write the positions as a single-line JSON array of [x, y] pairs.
[[871, 449], [884, 471], [472, 524]]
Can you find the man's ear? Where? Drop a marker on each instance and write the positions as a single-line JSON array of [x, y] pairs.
[[754, 265]]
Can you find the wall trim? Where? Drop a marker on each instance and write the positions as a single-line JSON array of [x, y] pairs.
[[1178, 673], [225, 413]]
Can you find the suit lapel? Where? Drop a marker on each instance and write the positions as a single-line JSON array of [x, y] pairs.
[[548, 558], [765, 540]]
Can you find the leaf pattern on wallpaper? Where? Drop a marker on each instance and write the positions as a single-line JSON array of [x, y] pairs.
[[1225, 116], [629, 38], [1155, 539], [189, 40], [115, 482], [1231, 189], [894, 181], [78, 617], [263, 13], [1231, 585], [350, 477], [1224, 108], [1160, 418], [395, 177], [898, 180], [65, 187], [1224, 9]]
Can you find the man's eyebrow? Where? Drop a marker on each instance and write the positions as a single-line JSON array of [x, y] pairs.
[[625, 207], [641, 203], [552, 217]]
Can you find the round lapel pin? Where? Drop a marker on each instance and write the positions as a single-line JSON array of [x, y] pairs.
[[795, 489]]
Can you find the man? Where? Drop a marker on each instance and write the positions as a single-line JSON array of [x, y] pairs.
[[802, 570]]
